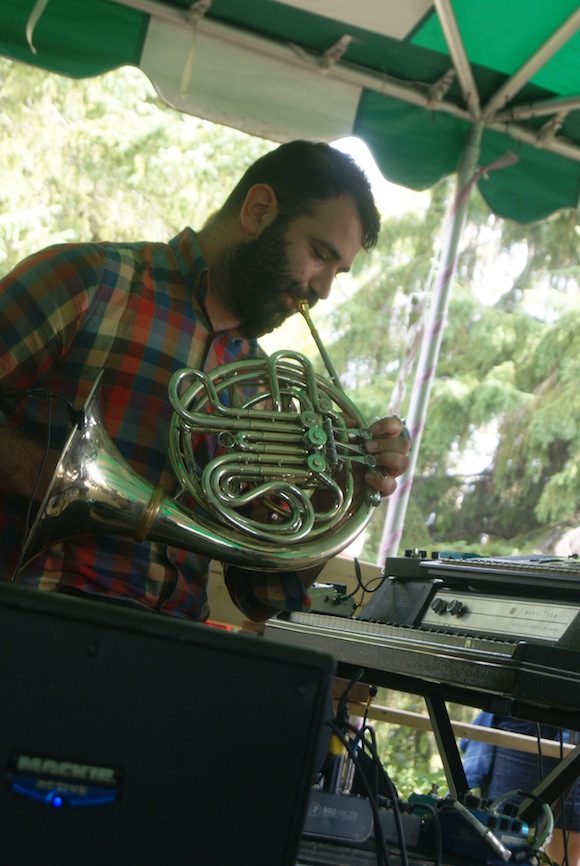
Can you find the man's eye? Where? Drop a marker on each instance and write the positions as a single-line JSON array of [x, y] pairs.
[[318, 255]]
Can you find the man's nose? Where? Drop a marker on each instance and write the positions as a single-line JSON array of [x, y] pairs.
[[322, 284]]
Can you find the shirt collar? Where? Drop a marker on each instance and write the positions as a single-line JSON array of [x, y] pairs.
[[191, 261]]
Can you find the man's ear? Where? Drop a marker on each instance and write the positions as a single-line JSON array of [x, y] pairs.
[[259, 210]]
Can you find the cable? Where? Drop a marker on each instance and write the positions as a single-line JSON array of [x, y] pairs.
[[562, 797], [546, 835], [9, 397], [394, 797], [341, 726], [372, 694], [482, 829], [31, 500], [364, 588], [418, 807], [342, 706], [369, 742], [383, 858], [365, 738]]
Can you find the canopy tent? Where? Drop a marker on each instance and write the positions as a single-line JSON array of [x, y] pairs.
[[409, 78], [433, 88]]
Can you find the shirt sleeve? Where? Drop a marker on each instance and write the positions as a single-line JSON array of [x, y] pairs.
[[42, 302], [262, 594]]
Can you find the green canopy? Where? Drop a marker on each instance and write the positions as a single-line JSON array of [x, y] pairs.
[[409, 77]]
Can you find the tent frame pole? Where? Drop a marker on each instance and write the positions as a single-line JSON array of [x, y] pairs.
[[431, 343]]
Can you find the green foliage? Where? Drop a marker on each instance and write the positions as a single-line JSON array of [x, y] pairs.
[[506, 376], [537, 457], [369, 326], [495, 369], [415, 532], [560, 497], [105, 159], [496, 394], [409, 754], [509, 367]]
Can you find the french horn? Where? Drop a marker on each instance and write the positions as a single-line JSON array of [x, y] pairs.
[[279, 492]]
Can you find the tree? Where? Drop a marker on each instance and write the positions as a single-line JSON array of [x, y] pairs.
[[105, 159], [509, 366], [507, 369]]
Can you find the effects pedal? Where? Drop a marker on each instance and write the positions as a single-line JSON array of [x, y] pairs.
[[469, 829], [348, 819], [331, 598]]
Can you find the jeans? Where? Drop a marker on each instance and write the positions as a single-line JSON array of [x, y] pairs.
[[513, 770]]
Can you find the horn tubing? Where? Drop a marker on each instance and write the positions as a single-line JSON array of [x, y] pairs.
[[87, 510], [305, 310], [94, 490]]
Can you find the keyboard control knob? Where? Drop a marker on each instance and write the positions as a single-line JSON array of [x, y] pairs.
[[438, 605], [455, 607]]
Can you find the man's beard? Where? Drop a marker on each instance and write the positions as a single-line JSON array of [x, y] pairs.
[[253, 280]]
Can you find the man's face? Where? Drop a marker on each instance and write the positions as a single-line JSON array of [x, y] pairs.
[[261, 280]]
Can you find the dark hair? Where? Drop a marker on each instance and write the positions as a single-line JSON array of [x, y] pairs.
[[304, 172]]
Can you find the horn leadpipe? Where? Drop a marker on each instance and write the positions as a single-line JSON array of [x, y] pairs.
[[304, 309]]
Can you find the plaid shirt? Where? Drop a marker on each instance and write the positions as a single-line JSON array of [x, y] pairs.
[[136, 311]]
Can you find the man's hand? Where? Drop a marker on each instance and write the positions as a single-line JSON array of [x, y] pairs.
[[390, 447]]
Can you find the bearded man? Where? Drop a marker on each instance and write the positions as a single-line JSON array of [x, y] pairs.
[[140, 312]]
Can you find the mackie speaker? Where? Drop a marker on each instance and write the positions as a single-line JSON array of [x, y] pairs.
[[130, 738]]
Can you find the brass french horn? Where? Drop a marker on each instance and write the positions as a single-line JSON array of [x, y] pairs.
[[278, 494]]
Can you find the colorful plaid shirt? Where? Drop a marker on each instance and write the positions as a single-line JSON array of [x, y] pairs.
[[136, 311]]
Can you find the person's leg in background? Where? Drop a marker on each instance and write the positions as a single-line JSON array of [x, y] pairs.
[[517, 770]]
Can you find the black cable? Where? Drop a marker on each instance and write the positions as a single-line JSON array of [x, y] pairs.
[[563, 804], [360, 586], [359, 583], [372, 694], [539, 743], [341, 726], [383, 858], [27, 517], [373, 790], [394, 797], [562, 797], [9, 397], [342, 706], [417, 807]]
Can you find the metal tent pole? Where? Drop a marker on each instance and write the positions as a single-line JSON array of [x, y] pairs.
[[431, 343]]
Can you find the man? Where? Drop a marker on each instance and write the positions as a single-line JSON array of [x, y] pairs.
[[141, 311]]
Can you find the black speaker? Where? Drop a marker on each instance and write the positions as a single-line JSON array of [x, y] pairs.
[[128, 738]]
